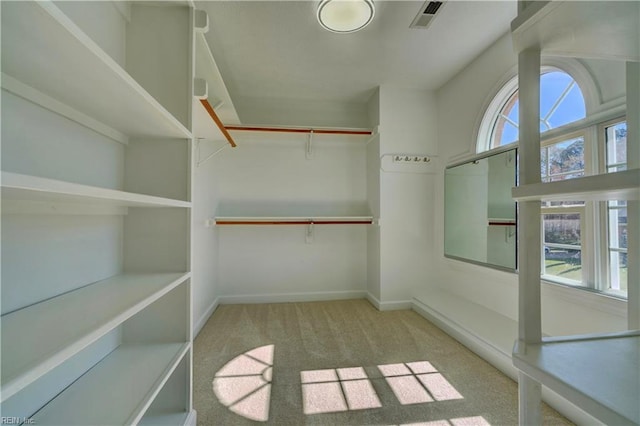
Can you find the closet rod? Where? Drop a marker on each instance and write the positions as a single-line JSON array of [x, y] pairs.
[[214, 116], [294, 130], [307, 222]]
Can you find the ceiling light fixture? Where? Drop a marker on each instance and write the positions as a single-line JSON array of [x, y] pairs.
[[345, 16]]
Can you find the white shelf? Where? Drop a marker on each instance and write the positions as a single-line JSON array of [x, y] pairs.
[[207, 69], [623, 185], [46, 334], [20, 187], [68, 66], [599, 373], [118, 390], [172, 419], [604, 29], [274, 213]]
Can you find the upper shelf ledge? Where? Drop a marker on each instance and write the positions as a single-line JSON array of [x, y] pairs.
[[592, 29], [71, 68], [623, 185], [599, 373]]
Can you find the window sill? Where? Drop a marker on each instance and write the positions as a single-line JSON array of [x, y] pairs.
[[608, 303]]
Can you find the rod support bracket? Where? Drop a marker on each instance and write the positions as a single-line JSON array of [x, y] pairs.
[[309, 235], [309, 151]]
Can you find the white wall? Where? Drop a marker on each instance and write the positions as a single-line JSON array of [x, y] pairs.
[[204, 240], [268, 173], [407, 125]]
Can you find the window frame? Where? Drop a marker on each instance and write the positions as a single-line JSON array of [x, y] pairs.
[[594, 222], [604, 248]]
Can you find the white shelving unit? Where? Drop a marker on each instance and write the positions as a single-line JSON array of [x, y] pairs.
[[96, 212], [109, 379], [39, 347], [598, 373], [69, 66]]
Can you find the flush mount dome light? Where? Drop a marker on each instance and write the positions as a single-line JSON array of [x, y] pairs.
[[345, 16]]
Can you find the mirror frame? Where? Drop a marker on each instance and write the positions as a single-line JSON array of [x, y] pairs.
[[468, 160]]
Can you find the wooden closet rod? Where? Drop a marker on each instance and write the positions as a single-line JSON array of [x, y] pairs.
[[294, 130], [284, 222], [214, 116]]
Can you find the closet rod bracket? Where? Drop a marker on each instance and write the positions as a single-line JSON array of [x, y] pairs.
[[309, 151], [309, 235]]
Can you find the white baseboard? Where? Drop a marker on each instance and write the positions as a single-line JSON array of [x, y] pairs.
[[292, 297], [205, 317], [389, 306], [191, 419], [486, 350]]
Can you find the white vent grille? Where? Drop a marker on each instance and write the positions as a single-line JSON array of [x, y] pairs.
[[426, 14]]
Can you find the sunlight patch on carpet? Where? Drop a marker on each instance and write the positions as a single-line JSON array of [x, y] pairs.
[[244, 383], [417, 383], [331, 391]]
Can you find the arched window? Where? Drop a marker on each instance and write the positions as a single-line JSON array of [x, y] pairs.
[[561, 102], [583, 243]]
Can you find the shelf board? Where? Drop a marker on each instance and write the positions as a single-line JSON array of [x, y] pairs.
[[607, 30], [71, 68], [37, 338], [125, 397], [289, 213], [598, 373], [623, 185], [170, 419], [207, 69], [20, 187]]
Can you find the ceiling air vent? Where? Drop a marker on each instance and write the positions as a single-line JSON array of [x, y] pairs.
[[427, 13]]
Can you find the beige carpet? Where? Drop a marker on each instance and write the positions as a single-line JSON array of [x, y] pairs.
[[343, 363]]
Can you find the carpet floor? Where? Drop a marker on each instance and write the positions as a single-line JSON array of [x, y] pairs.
[[343, 363]]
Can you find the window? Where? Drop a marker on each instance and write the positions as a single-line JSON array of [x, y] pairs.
[[561, 102], [584, 244], [616, 217]]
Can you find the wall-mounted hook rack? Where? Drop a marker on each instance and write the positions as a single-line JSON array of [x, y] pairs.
[[408, 163]]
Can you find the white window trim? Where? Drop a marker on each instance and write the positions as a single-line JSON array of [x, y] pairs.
[[603, 210], [509, 83]]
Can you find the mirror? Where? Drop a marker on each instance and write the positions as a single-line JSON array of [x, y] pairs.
[[480, 215]]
